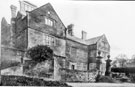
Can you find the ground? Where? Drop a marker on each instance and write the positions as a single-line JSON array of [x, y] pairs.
[[102, 84]]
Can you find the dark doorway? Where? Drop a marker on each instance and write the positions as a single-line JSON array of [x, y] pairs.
[[73, 67]]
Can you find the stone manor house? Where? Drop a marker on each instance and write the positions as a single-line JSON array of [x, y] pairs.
[[34, 25]]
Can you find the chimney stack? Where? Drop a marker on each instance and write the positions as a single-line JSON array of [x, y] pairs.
[[84, 34], [13, 11]]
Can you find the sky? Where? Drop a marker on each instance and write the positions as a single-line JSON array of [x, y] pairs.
[[115, 19]]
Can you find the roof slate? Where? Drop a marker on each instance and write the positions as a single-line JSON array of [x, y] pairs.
[[79, 40], [86, 42], [93, 40], [76, 39]]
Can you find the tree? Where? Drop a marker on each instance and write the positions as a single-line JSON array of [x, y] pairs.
[[120, 61], [133, 59], [40, 53]]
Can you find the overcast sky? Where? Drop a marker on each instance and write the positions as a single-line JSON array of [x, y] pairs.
[[115, 19]]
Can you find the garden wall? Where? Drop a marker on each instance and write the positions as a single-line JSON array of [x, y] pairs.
[[16, 70], [43, 69], [78, 76]]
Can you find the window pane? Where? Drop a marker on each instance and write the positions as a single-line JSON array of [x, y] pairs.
[[52, 41], [45, 38], [54, 23], [51, 23], [49, 40], [45, 20]]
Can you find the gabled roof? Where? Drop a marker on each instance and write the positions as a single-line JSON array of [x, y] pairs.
[[40, 10], [90, 41], [19, 15], [93, 40], [73, 38], [4, 21]]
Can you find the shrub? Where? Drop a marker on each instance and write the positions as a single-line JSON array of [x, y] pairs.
[[27, 81], [105, 79], [40, 53], [132, 77], [123, 69]]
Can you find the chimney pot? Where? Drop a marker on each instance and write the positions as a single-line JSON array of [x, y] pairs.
[[13, 11], [84, 34]]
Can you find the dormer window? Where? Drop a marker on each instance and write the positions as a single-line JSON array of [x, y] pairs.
[[48, 21]]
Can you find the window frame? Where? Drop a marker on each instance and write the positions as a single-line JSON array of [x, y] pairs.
[[49, 21], [48, 40]]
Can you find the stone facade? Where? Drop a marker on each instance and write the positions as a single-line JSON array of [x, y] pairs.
[[78, 76], [98, 44], [42, 26], [77, 55], [9, 56]]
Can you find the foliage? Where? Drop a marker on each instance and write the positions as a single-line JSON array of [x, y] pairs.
[[27, 81], [40, 53], [133, 59], [120, 61], [106, 79], [42, 69], [123, 69], [132, 76]]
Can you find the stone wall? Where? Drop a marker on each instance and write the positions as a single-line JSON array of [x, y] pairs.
[[36, 37], [44, 69], [57, 66], [20, 34], [5, 33], [78, 76], [21, 41], [92, 54], [9, 57], [37, 21], [15, 70], [77, 54]]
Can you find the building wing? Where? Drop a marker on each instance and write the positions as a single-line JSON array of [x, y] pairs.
[[93, 40]]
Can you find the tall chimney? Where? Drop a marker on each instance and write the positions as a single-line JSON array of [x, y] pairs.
[[13, 11], [84, 34]]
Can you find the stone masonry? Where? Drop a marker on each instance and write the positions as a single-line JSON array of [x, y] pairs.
[[42, 26]]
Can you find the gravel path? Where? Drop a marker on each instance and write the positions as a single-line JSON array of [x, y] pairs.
[[102, 84]]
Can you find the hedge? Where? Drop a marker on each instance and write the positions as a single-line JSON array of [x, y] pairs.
[[12, 80], [123, 69]]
